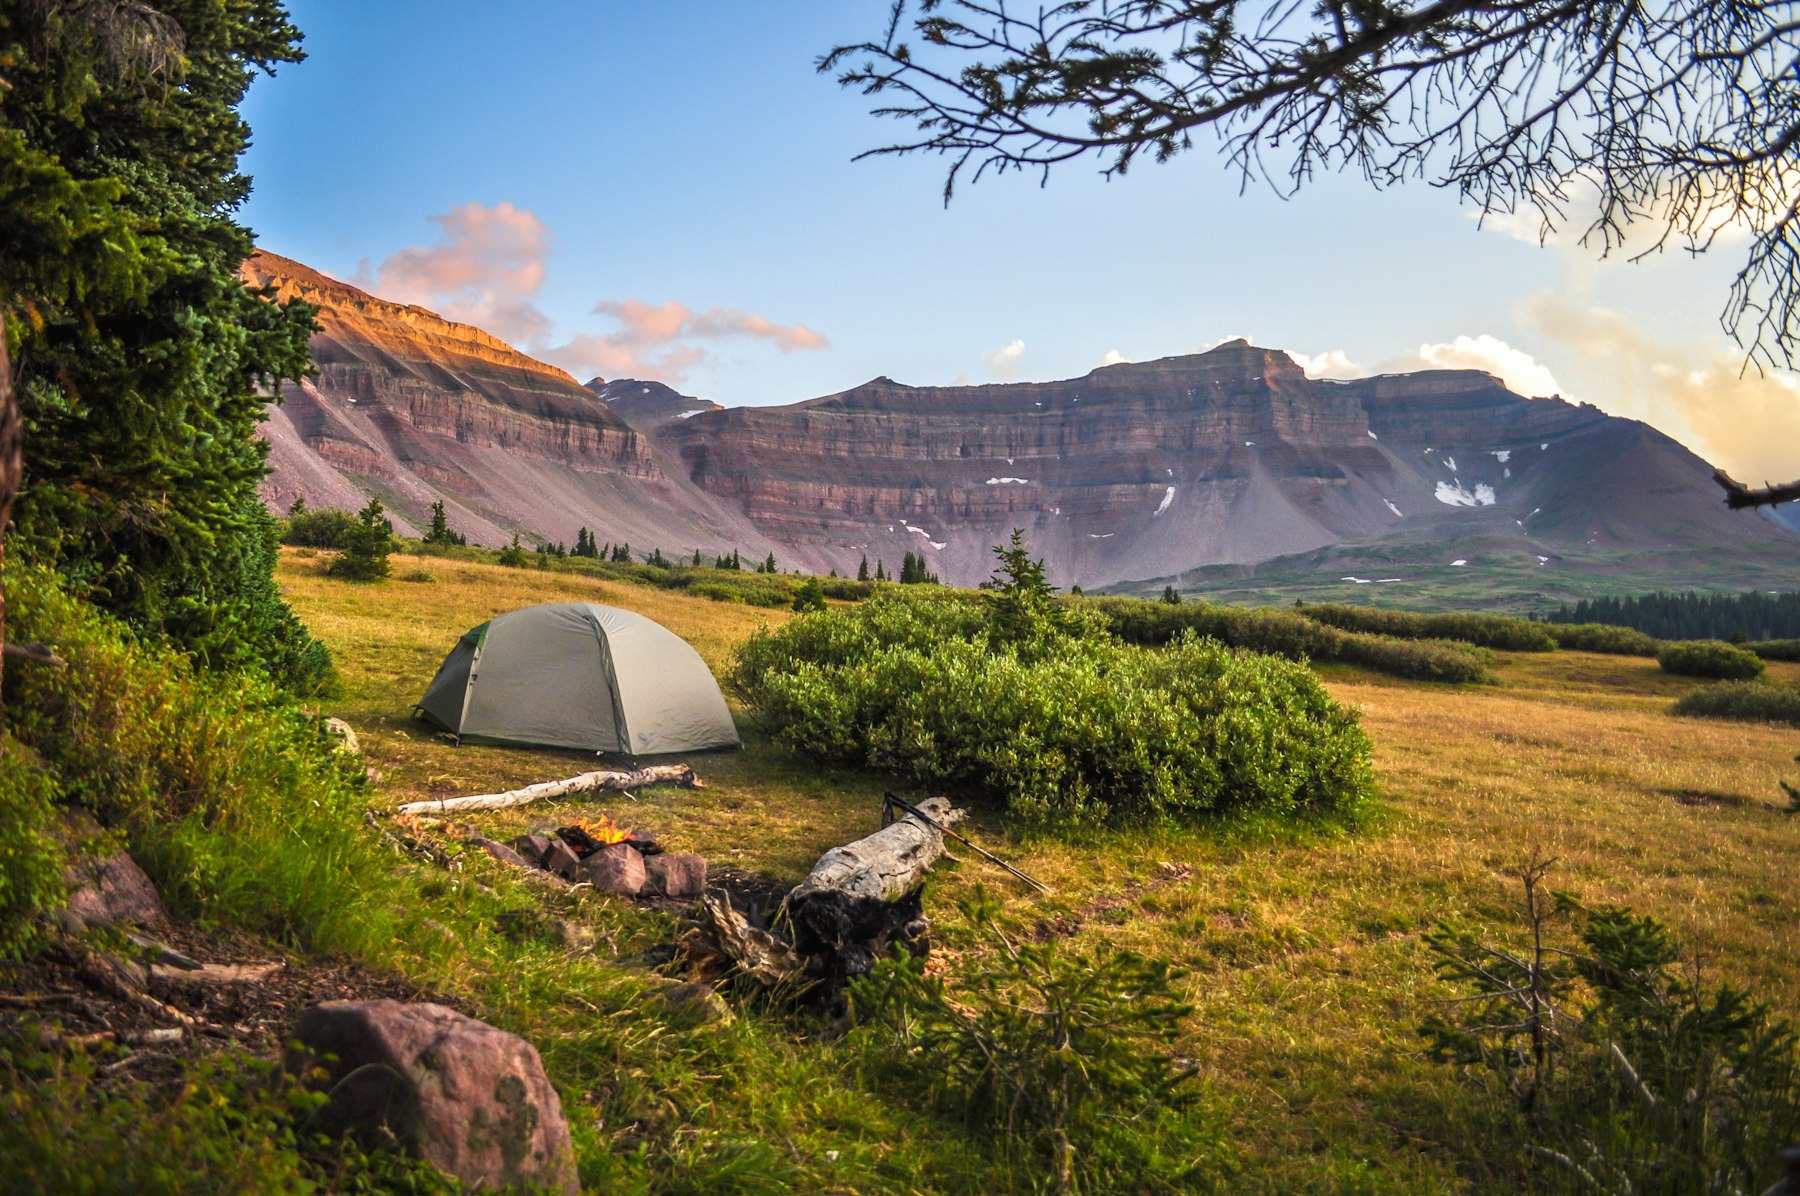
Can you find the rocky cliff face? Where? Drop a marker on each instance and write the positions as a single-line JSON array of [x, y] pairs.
[[419, 409], [1133, 471]]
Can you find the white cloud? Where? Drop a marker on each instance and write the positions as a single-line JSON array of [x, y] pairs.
[[1746, 421], [1114, 357], [1520, 371], [1003, 363], [486, 270], [1332, 363], [488, 267]]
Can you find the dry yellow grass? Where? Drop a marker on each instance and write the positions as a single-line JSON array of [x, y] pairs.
[[1308, 969]]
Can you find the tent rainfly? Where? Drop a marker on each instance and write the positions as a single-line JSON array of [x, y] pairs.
[[578, 675]]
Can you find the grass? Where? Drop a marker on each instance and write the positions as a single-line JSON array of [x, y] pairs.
[[1308, 973]]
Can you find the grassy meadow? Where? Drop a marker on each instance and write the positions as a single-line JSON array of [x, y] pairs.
[[1303, 951]]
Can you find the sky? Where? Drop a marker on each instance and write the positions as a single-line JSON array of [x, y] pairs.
[[670, 191]]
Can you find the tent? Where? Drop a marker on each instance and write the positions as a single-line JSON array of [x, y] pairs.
[[578, 675]]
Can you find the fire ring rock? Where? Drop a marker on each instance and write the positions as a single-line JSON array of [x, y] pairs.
[[468, 1098]]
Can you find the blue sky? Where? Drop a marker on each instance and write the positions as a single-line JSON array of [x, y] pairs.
[[667, 190]]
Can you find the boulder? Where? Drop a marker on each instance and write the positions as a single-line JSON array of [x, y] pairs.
[[109, 891], [615, 868], [679, 876], [470, 1099], [562, 860], [500, 851], [532, 847]]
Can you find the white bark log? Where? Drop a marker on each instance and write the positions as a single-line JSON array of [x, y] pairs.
[[679, 774], [886, 865]]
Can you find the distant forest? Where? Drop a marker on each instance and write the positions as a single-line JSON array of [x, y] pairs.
[[1752, 616]]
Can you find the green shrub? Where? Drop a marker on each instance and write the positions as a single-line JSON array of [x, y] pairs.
[[1500, 632], [320, 529], [1610, 1065], [1776, 649], [1603, 637], [1285, 633], [1744, 701], [1065, 1061], [1065, 726], [31, 863], [234, 1125], [1709, 658], [230, 796]]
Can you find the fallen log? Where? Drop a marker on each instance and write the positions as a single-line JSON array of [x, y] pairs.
[[862, 901], [587, 782]]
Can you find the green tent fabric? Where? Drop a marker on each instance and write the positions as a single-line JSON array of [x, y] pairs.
[[579, 675]]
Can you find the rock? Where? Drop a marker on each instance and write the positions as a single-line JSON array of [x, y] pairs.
[[532, 847], [109, 891], [346, 735], [699, 1001], [470, 1099], [615, 868], [679, 876], [562, 860], [500, 851]]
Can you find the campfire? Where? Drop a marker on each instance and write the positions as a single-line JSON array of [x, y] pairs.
[[613, 859], [587, 836]]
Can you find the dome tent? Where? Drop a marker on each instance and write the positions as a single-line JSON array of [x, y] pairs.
[[578, 675]]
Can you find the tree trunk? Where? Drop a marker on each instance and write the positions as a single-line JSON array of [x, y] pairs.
[[12, 458], [679, 774], [861, 901]]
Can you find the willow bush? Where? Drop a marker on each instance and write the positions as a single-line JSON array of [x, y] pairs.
[[1052, 715]]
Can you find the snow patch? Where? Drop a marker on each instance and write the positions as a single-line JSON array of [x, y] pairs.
[[1104, 536], [1543, 560], [686, 414], [1503, 455], [1392, 507], [1249, 444], [1457, 496], [1009, 481], [1450, 464], [1009, 460], [1507, 472], [1168, 497], [1372, 435], [1361, 581], [937, 544], [1459, 561], [1543, 447]]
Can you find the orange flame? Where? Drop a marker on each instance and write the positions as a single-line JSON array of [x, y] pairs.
[[605, 830]]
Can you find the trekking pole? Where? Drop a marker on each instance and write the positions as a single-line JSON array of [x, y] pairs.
[[889, 801]]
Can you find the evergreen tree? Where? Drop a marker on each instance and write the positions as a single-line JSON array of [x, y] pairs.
[[736, 562], [1171, 596], [365, 557], [862, 570], [880, 570], [297, 508], [657, 558], [698, 560], [439, 532], [513, 556], [810, 596], [768, 566], [621, 553], [139, 350]]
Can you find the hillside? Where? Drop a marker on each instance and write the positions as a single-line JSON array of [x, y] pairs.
[[1229, 459]]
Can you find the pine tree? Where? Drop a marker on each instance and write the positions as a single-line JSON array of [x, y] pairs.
[[365, 556], [1171, 596], [769, 565], [513, 556], [138, 350], [862, 570], [698, 560], [439, 532], [298, 507], [880, 570]]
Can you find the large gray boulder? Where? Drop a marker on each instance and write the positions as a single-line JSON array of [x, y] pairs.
[[470, 1099]]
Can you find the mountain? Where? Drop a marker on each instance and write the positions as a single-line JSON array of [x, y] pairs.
[[1202, 469], [641, 403], [417, 409]]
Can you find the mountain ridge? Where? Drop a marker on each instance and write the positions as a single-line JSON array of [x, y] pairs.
[[1133, 470]]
